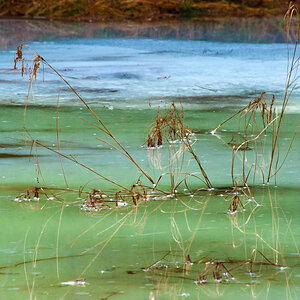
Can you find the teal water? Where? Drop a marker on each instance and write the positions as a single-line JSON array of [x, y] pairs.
[[138, 252], [112, 261]]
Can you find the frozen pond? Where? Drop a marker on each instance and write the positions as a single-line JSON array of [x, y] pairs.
[[171, 244], [138, 71]]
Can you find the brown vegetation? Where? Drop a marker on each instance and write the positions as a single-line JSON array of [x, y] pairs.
[[141, 9], [252, 129], [215, 269]]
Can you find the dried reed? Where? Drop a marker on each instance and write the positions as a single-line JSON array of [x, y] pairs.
[[33, 74], [269, 118], [169, 128]]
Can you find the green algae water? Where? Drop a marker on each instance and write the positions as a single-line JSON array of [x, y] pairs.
[[46, 245], [173, 245]]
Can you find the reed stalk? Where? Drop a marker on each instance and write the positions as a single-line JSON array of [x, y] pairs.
[[290, 15], [33, 74]]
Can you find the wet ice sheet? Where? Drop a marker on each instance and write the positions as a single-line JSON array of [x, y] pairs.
[[108, 70]]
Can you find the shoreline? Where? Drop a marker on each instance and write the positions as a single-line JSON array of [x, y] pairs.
[[141, 10], [245, 30]]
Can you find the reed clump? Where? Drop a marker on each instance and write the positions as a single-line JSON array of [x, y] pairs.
[[168, 128], [220, 271], [31, 194], [254, 129], [97, 200]]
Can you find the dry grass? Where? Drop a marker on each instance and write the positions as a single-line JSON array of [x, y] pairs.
[[169, 128], [218, 271], [260, 122], [31, 68], [253, 121], [141, 9], [254, 129]]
